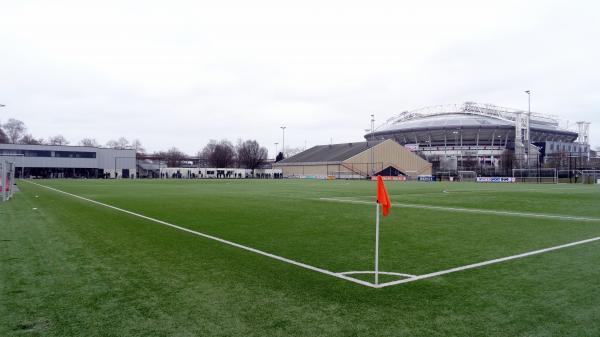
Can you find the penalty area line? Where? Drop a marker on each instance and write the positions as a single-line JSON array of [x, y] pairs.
[[211, 237]]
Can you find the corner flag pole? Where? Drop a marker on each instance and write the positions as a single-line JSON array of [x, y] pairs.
[[383, 199], [377, 244]]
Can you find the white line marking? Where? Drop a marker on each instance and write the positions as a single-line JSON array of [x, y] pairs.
[[411, 278], [485, 263], [373, 272], [470, 210], [207, 236]]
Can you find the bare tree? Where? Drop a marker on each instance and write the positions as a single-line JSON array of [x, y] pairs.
[[250, 154], [89, 142], [120, 144], [30, 140], [137, 146], [173, 157], [14, 129], [58, 140], [221, 154], [279, 157], [208, 149]]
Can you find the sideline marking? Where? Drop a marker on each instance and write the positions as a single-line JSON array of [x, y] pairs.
[[343, 275], [470, 210], [485, 263], [207, 236]]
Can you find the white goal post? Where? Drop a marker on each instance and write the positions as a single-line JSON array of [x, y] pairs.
[[467, 175], [590, 176], [7, 176], [536, 175]]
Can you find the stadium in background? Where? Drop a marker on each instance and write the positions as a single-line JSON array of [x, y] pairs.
[[486, 138]]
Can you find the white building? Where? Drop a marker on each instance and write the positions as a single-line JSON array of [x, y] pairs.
[[59, 161], [232, 173]]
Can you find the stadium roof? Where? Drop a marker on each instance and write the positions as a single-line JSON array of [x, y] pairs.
[[330, 153], [468, 114]]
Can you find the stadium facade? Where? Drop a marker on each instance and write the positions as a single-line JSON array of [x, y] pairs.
[[464, 136]]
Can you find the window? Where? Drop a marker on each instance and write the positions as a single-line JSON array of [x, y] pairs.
[[43, 153], [74, 154]]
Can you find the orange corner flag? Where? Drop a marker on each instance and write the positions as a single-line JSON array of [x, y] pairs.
[[382, 196]]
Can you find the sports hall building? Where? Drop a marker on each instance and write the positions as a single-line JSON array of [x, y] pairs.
[[58, 161], [355, 161]]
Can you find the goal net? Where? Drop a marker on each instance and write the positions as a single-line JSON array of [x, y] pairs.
[[445, 176], [7, 175], [467, 175], [539, 175], [590, 176]]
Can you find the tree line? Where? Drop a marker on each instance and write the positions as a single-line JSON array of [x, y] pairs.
[[14, 131], [223, 154], [246, 153]]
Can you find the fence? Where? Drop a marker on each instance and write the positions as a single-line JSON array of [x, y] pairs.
[[569, 166]]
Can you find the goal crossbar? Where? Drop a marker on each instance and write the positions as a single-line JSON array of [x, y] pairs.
[[536, 175]]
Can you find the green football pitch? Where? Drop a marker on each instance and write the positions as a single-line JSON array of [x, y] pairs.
[[294, 258]]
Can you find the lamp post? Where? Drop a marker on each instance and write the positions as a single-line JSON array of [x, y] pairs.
[[283, 141]]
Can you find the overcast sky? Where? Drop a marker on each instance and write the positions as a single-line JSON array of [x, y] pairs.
[[179, 73]]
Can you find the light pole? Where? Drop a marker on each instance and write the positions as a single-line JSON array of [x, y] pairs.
[[276, 153], [283, 141], [528, 92]]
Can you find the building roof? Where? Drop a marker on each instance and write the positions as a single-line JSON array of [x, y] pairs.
[[46, 147], [330, 153], [464, 121]]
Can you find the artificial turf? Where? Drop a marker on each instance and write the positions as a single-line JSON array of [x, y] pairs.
[[72, 268]]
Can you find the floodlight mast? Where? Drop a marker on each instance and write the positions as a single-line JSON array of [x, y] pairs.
[[283, 141], [528, 140]]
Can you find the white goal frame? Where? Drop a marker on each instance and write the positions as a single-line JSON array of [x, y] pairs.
[[467, 176], [536, 175], [590, 177], [7, 179]]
